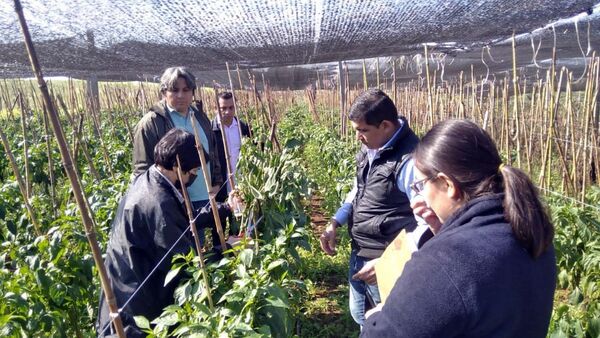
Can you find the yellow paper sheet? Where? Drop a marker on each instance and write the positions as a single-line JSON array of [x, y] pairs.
[[390, 265]]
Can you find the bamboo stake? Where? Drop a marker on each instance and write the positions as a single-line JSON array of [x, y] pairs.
[[242, 90], [318, 80], [516, 99], [529, 145], [505, 135], [570, 137], [20, 182], [103, 147], [556, 134], [188, 207], [346, 100], [234, 101], [377, 65], [124, 116], [68, 165], [230, 169], [77, 130], [25, 146], [364, 67], [207, 180], [593, 87], [50, 162], [394, 84], [342, 95], [272, 117], [429, 98]]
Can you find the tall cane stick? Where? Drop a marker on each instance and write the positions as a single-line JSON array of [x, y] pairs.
[[213, 203], [234, 101], [68, 165], [188, 207]]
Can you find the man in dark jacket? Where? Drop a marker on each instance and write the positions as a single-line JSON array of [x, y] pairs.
[[232, 126], [227, 127], [175, 110], [378, 207], [150, 221]]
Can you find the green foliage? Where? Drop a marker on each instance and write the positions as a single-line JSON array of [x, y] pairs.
[[329, 161], [49, 283], [253, 288], [271, 287], [577, 244], [274, 186], [330, 165], [253, 291]]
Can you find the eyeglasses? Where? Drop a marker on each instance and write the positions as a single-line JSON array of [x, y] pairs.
[[418, 186]]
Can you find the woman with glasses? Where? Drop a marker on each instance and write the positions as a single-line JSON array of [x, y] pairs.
[[490, 269]]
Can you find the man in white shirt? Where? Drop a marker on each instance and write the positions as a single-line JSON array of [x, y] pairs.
[[234, 129]]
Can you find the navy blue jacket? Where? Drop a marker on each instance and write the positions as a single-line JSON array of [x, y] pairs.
[[472, 279]]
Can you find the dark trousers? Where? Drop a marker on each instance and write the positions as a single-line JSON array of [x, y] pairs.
[[233, 225]]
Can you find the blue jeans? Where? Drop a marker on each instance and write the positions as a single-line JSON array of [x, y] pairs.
[[359, 290]]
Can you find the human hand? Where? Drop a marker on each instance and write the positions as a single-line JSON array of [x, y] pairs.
[[421, 209], [328, 238], [367, 273], [236, 203]]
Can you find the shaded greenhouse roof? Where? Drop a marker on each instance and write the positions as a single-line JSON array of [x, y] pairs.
[[137, 39]]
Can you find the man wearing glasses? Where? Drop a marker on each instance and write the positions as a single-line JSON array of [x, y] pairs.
[[378, 207]]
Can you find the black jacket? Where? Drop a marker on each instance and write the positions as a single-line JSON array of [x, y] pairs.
[[150, 219], [473, 279], [380, 210], [216, 128]]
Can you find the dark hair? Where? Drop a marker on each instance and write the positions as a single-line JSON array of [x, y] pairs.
[[170, 75], [225, 95], [467, 154], [373, 106], [177, 142]]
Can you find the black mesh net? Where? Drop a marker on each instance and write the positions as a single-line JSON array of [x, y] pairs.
[[137, 39]]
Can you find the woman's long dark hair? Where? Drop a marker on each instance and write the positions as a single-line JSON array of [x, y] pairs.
[[466, 153]]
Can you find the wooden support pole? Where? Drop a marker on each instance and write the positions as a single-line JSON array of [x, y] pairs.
[[20, 182], [190, 212], [342, 87], [429, 97], [207, 180], [72, 174], [25, 146]]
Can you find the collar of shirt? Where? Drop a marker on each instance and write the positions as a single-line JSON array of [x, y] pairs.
[[371, 153], [173, 111], [234, 123], [177, 193]]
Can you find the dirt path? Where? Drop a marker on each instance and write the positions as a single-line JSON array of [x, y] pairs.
[[326, 314], [317, 218]]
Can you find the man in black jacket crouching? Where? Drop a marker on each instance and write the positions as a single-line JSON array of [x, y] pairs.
[[151, 220]]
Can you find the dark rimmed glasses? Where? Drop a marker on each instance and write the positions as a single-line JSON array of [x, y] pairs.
[[418, 186]]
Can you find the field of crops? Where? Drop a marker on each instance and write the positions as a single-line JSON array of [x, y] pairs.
[[293, 177]]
